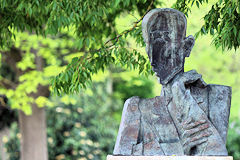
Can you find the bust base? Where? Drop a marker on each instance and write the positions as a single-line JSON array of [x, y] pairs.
[[111, 157]]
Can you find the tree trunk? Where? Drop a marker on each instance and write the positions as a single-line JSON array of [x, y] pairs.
[[33, 127], [34, 134]]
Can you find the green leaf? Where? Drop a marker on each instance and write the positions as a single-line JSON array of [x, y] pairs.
[[116, 3], [197, 3], [30, 12], [212, 31], [235, 31]]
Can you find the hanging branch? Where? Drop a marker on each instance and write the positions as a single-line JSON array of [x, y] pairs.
[[116, 39], [78, 72]]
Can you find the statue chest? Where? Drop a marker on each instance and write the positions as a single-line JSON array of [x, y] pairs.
[[157, 128]]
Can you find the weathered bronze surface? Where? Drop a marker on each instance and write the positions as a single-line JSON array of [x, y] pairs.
[[190, 117]]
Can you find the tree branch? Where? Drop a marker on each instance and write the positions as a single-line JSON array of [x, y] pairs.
[[129, 30], [120, 35], [7, 83], [108, 43]]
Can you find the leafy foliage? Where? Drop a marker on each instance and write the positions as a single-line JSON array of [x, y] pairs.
[[115, 51], [50, 17], [85, 30], [234, 139], [132, 85], [222, 21], [79, 127], [80, 70], [30, 47], [186, 5], [83, 126], [93, 29]]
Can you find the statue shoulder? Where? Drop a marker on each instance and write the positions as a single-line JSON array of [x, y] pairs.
[[218, 86], [219, 92], [129, 127], [131, 106], [219, 97], [132, 100]]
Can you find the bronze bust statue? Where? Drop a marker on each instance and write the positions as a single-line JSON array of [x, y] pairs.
[[190, 117]]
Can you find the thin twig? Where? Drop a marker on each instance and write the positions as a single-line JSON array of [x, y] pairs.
[[126, 31], [7, 83], [134, 26]]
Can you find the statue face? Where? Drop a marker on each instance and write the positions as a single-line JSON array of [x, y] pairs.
[[165, 55], [164, 32]]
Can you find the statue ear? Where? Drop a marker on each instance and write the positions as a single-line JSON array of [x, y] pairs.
[[188, 45]]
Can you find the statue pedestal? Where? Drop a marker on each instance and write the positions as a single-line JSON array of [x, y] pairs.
[[110, 157]]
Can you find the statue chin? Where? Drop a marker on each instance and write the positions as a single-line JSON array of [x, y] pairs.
[[166, 78]]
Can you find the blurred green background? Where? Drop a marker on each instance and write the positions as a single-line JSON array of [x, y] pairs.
[[85, 126]]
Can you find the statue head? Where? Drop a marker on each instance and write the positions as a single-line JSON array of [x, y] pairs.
[[164, 32]]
